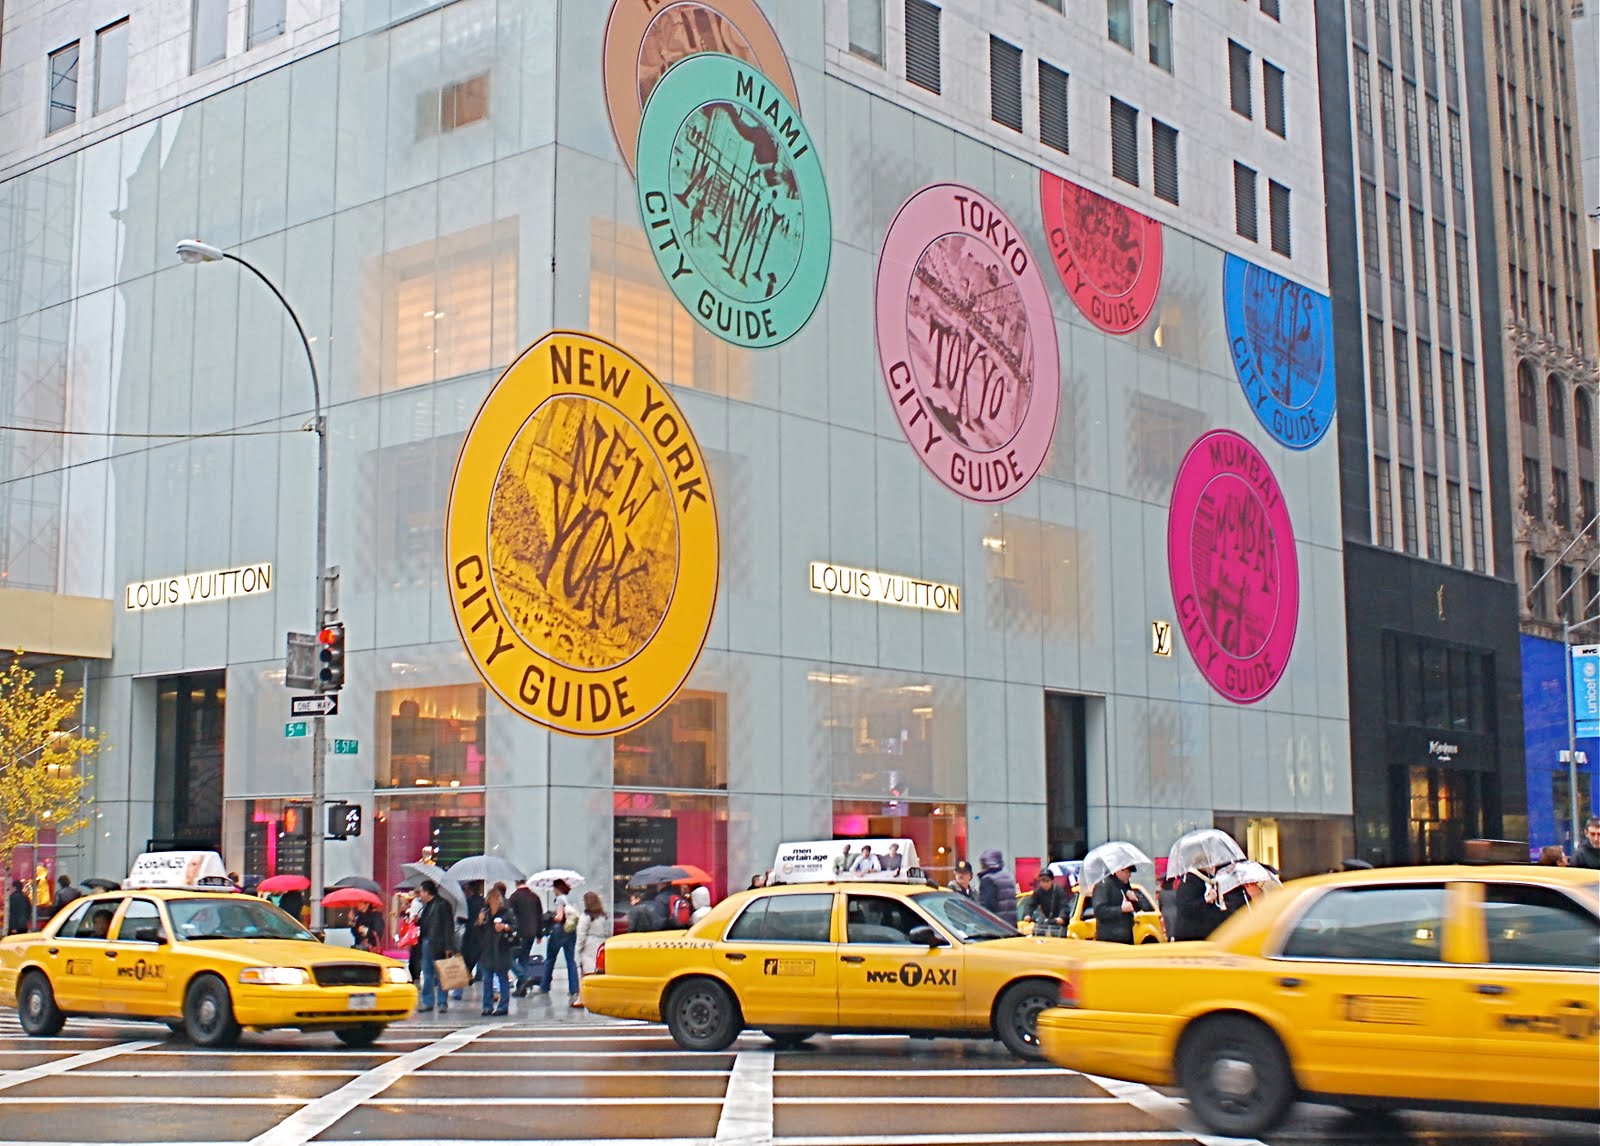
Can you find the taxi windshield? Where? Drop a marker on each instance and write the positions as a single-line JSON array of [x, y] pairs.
[[236, 917], [969, 922]]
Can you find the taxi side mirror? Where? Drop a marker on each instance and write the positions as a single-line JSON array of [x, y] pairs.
[[927, 937]]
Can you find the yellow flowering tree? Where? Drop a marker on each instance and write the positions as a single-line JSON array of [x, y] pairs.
[[45, 755]]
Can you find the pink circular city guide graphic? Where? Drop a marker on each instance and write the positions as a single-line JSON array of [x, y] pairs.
[[967, 342], [1231, 557], [1108, 255]]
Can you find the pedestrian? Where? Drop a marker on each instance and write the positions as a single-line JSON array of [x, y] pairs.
[[700, 900], [1552, 856], [594, 928], [292, 903], [471, 939], [438, 926], [661, 904], [641, 916], [65, 892], [1587, 853], [563, 940], [496, 924], [1199, 910], [962, 883], [1114, 903], [757, 881], [19, 910], [1046, 905], [997, 889], [529, 910], [367, 929]]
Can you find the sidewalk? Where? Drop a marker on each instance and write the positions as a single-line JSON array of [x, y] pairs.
[[535, 1009]]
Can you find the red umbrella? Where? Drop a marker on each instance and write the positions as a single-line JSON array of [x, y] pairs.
[[691, 875], [351, 897], [281, 883]]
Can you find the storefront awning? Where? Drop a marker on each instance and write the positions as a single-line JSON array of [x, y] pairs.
[[55, 624]]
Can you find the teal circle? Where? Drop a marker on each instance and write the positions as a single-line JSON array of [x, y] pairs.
[[733, 199]]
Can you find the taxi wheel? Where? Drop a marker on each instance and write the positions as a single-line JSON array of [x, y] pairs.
[[363, 1036], [1236, 1075], [702, 1016], [36, 1006], [208, 1013], [1016, 1016]]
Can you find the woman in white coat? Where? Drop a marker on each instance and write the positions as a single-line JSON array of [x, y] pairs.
[[700, 900], [594, 928]]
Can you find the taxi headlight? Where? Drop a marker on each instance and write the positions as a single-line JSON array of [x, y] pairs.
[[397, 974], [275, 976]]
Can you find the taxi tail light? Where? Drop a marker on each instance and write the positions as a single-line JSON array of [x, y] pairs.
[[1069, 990], [600, 960]]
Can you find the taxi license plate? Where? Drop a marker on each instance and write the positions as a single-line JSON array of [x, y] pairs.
[[367, 1002]]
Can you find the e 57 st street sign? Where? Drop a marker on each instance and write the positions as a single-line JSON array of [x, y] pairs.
[[325, 705]]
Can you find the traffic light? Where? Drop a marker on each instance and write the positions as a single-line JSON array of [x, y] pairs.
[[330, 654], [296, 821], [344, 821]]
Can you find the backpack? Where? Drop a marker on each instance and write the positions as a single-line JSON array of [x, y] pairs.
[[679, 911]]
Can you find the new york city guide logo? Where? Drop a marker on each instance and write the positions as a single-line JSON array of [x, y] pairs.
[[967, 342], [645, 38], [733, 200], [1108, 255], [1231, 558], [581, 539], [1280, 336]]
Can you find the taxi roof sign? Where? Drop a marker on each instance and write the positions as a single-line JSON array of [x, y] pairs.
[[825, 861], [178, 869]]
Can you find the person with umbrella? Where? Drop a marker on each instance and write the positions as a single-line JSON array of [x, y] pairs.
[[1107, 878], [1195, 859], [563, 939]]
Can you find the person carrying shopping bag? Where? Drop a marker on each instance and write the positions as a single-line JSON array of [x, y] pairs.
[[497, 933], [438, 926], [594, 928], [563, 939]]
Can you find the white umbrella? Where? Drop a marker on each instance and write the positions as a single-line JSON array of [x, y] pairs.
[[550, 874], [1206, 848], [1244, 872], [448, 887], [1110, 857], [488, 869]]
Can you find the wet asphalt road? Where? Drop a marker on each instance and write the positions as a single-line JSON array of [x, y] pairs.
[[550, 1074]]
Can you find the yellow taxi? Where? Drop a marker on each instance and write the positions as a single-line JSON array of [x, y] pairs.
[[1148, 926], [857, 956], [1465, 987], [206, 962]]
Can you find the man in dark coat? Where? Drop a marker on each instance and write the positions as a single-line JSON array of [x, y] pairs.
[[19, 910], [529, 910], [292, 903], [962, 883], [997, 890], [438, 928], [1047, 904], [1114, 903], [1587, 853], [1197, 916], [472, 938], [65, 892], [641, 915]]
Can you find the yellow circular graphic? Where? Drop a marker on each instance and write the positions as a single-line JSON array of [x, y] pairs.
[[581, 540]]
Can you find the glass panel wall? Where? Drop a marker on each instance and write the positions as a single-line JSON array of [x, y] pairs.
[[430, 737]]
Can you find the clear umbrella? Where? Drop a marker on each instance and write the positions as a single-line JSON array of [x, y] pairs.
[[487, 869], [1243, 873], [1204, 850], [549, 875], [1110, 857], [448, 887]]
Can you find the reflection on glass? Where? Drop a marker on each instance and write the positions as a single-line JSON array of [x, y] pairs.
[[111, 66], [939, 831], [685, 745], [410, 485], [424, 826], [256, 843], [650, 828], [431, 737], [1036, 575], [63, 88], [451, 305]]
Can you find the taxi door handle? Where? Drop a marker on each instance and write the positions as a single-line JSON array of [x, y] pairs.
[[55, 950], [1492, 989], [733, 956], [1291, 983], [853, 958], [111, 954]]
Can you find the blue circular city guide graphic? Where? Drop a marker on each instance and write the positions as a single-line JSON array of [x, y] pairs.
[[1280, 337]]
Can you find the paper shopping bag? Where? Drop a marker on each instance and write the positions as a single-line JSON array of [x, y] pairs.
[[452, 973]]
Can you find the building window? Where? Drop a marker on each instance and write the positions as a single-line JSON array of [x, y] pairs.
[[430, 737], [1447, 392], [1005, 83], [426, 825], [1532, 489], [1557, 407], [1164, 151], [1458, 552], [1413, 128], [922, 44], [208, 38], [1441, 265], [1479, 542], [1527, 395], [258, 843], [1406, 28], [650, 828], [266, 20], [1419, 254], [1272, 99], [1269, 8], [1244, 201], [111, 66], [1458, 171], [1430, 500], [1538, 596], [684, 746], [1124, 142], [1385, 502], [455, 105], [1363, 94], [1053, 107], [1463, 277], [1583, 416], [1239, 78], [1159, 14], [1278, 214], [1377, 378], [1369, 228], [63, 108], [1408, 508], [1386, 107], [1586, 504], [190, 723], [1449, 12], [1119, 22], [1402, 374], [1055, 5], [866, 29], [1561, 497], [1469, 396], [452, 306], [1428, 48], [1435, 153], [1397, 253], [1425, 380]]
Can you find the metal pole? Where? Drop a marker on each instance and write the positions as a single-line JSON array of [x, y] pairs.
[[1572, 729]]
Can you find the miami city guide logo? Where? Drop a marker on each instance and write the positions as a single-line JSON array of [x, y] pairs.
[[582, 539], [733, 200], [1108, 255], [1280, 337], [967, 342], [645, 38], [1231, 558]]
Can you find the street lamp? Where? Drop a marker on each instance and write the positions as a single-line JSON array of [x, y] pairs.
[[195, 251]]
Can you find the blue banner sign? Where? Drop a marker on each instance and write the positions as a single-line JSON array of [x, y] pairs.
[[1586, 689]]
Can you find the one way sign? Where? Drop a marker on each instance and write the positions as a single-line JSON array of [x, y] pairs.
[[314, 705]]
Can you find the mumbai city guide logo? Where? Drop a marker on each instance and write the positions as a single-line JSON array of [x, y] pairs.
[[733, 200], [645, 38], [582, 539], [1108, 255], [1231, 557], [967, 342], [1280, 336]]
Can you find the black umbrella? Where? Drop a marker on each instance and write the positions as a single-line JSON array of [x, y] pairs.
[[1357, 865], [361, 882], [98, 884], [650, 876]]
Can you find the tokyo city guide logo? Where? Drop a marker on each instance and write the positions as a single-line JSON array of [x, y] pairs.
[[1280, 336], [1108, 255], [645, 38], [733, 200], [967, 342], [581, 539], [1231, 557]]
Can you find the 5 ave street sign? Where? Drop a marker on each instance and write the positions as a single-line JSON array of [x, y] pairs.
[[294, 729], [327, 705]]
